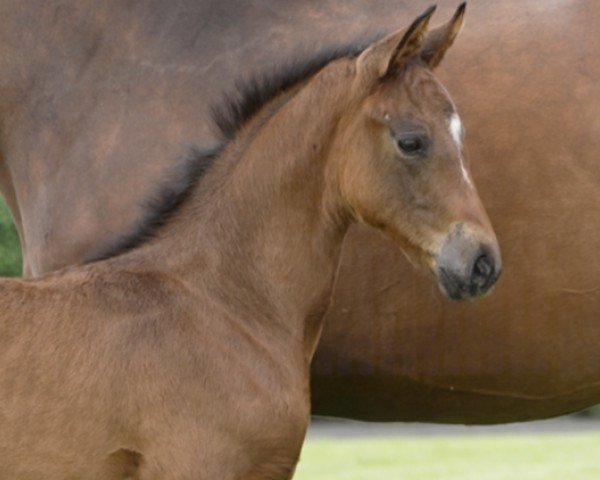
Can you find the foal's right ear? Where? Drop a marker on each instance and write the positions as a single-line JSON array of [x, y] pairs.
[[389, 55], [441, 39]]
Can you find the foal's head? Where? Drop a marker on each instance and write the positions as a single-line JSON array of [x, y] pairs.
[[399, 156]]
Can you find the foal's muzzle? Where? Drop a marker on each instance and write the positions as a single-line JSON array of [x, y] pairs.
[[467, 266]]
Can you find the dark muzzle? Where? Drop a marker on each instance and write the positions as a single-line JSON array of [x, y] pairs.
[[466, 266]]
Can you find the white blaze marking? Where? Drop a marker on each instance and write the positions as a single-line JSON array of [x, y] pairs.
[[455, 126], [456, 130]]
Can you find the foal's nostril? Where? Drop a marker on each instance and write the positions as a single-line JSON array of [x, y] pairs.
[[483, 270]]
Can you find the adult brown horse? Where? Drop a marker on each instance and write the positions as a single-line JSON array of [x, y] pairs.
[[100, 98], [188, 357]]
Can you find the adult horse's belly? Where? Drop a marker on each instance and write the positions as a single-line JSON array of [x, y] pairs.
[[524, 74], [393, 348]]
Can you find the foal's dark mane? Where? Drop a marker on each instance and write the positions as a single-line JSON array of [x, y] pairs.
[[251, 96], [229, 118], [159, 208]]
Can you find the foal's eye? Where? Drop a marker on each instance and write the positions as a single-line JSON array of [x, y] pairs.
[[411, 144]]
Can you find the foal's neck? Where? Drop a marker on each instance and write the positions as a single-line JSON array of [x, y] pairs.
[[264, 228]]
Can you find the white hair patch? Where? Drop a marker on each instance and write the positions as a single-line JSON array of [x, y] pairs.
[[456, 129], [456, 132]]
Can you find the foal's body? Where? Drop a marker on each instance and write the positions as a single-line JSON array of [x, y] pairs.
[[197, 341], [188, 357]]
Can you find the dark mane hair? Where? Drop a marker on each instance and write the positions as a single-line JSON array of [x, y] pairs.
[[236, 110], [161, 206], [251, 96]]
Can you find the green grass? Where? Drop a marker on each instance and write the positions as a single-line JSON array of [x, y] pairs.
[[519, 457], [10, 251]]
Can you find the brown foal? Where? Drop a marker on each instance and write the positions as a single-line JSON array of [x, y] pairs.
[[188, 356]]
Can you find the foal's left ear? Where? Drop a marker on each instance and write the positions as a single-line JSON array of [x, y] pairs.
[[438, 41], [389, 55]]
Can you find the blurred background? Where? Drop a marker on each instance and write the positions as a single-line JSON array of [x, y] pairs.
[[557, 449], [563, 448], [10, 251]]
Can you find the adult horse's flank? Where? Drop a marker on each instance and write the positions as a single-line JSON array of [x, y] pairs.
[[188, 356]]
